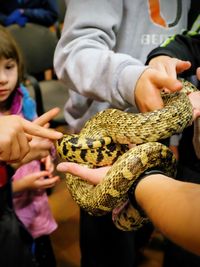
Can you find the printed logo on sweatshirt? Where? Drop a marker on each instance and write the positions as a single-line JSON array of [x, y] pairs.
[[157, 17], [153, 39]]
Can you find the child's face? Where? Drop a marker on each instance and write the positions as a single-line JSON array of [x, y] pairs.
[[8, 77]]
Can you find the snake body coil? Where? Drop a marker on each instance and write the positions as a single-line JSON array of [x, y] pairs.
[[104, 141]]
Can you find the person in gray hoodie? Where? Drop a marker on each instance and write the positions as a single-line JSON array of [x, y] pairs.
[[101, 56]]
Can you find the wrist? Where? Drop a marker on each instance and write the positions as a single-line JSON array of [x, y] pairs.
[[18, 186], [132, 191]]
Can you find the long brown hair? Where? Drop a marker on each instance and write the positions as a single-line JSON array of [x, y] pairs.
[[10, 49]]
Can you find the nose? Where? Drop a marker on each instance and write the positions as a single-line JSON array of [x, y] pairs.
[[3, 77]]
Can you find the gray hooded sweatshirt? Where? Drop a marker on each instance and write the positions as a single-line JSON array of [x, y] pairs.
[[103, 48]]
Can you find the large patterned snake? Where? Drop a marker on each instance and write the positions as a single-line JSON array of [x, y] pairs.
[[104, 141]]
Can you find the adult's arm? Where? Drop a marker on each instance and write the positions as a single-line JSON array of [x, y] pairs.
[[86, 55], [173, 207]]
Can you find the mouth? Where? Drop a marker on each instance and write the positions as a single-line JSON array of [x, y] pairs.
[[3, 91]]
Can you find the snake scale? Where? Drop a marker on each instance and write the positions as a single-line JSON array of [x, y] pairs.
[[104, 141]]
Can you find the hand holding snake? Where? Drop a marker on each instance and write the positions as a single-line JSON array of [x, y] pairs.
[[103, 141]]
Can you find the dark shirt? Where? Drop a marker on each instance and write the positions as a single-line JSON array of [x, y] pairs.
[[43, 12], [184, 46]]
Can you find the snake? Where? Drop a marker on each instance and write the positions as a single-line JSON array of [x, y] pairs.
[[105, 140]]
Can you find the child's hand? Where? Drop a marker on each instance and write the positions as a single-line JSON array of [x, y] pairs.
[[35, 181], [168, 65], [39, 148], [195, 101], [48, 164], [148, 87]]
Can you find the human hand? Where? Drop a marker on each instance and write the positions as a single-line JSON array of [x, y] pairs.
[[39, 149], [16, 133], [13, 17], [198, 73], [48, 164], [168, 65], [195, 101], [196, 135], [35, 181], [148, 87], [39, 126], [93, 176]]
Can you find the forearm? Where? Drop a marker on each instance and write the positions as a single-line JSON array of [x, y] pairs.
[[173, 207], [85, 57]]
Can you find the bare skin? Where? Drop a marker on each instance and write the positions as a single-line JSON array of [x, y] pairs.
[[149, 85], [172, 206], [35, 181], [169, 66], [95, 175], [16, 134]]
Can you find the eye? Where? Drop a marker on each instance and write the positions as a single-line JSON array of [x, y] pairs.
[[10, 65]]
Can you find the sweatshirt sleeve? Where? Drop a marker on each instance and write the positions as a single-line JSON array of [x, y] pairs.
[[86, 56], [185, 47]]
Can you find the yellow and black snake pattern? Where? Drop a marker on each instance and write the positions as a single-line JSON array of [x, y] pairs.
[[104, 141]]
